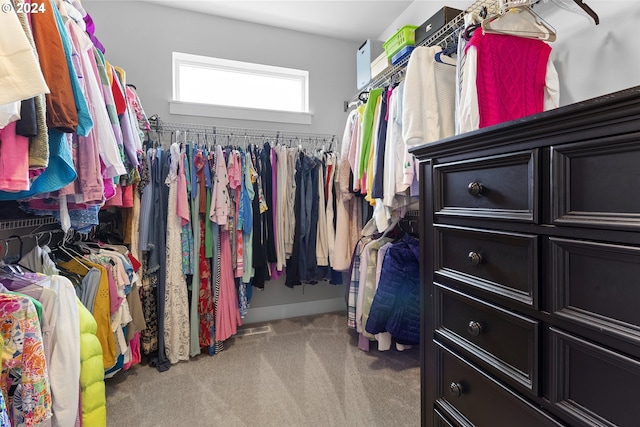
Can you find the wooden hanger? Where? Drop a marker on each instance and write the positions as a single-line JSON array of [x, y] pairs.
[[521, 22]]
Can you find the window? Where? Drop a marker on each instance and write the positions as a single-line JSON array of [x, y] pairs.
[[239, 85]]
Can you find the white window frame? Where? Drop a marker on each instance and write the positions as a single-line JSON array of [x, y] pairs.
[[233, 112]]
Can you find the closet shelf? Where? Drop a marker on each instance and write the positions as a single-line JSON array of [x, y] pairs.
[[437, 38]]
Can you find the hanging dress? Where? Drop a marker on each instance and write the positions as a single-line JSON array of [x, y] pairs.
[[149, 336], [227, 310], [176, 314]]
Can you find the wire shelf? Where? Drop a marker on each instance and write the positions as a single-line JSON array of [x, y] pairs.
[[27, 223], [443, 34]]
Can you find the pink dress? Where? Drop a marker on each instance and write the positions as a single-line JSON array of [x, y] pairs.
[[228, 311]]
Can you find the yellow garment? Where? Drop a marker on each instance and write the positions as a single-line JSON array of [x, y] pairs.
[[101, 309], [92, 389], [122, 75], [109, 70]]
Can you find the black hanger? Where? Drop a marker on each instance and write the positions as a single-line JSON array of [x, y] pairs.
[[588, 10], [468, 32]]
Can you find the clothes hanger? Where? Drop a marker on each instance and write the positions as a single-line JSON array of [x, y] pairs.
[[391, 227], [407, 225], [13, 259], [521, 22], [576, 6], [438, 58], [70, 252]]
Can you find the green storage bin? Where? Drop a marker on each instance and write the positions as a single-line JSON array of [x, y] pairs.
[[405, 36]]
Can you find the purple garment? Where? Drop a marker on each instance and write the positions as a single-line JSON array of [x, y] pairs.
[[91, 28], [274, 204], [363, 342], [415, 187], [275, 274], [115, 299]]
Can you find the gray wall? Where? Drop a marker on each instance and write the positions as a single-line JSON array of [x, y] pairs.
[[591, 60], [154, 31], [144, 50], [596, 60]]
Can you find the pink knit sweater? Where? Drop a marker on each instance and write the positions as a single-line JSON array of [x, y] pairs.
[[511, 76]]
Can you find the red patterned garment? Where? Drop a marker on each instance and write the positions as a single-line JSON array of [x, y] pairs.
[[205, 297]]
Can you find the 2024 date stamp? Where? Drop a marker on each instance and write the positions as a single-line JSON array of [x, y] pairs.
[[24, 7]]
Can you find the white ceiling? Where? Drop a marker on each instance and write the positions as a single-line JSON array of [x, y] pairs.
[[352, 20]]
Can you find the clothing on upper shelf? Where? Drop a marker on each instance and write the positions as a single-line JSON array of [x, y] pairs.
[[69, 124], [22, 76]]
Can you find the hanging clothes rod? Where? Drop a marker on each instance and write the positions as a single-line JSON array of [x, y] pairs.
[[193, 130]]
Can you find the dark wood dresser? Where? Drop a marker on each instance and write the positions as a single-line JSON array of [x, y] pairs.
[[531, 270]]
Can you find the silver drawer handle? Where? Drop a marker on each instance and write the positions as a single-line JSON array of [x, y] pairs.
[[475, 258], [475, 188], [474, 328], [455, 389]]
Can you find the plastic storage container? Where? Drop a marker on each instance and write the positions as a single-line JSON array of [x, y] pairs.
[[435, 23], [405, 36], [403, 53], [366, 53], [380, 65]]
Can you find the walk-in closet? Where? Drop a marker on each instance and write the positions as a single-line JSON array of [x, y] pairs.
[[319, 213]]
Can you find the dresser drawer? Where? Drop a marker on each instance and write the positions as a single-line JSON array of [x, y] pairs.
[[470, 397], [592, 385], [440, 420], [501, 341], [504, 264], [598, 286], [499, 187], [595, 184]]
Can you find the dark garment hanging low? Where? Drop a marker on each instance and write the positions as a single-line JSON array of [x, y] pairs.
[[309, 272], [293, 263], [258, 244], [160, 170], [27, 125], [377, 187], [267, 188]]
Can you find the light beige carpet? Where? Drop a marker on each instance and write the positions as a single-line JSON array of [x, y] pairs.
[[307, 371]]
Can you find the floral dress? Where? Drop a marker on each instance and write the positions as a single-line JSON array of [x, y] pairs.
[[24, 380]]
